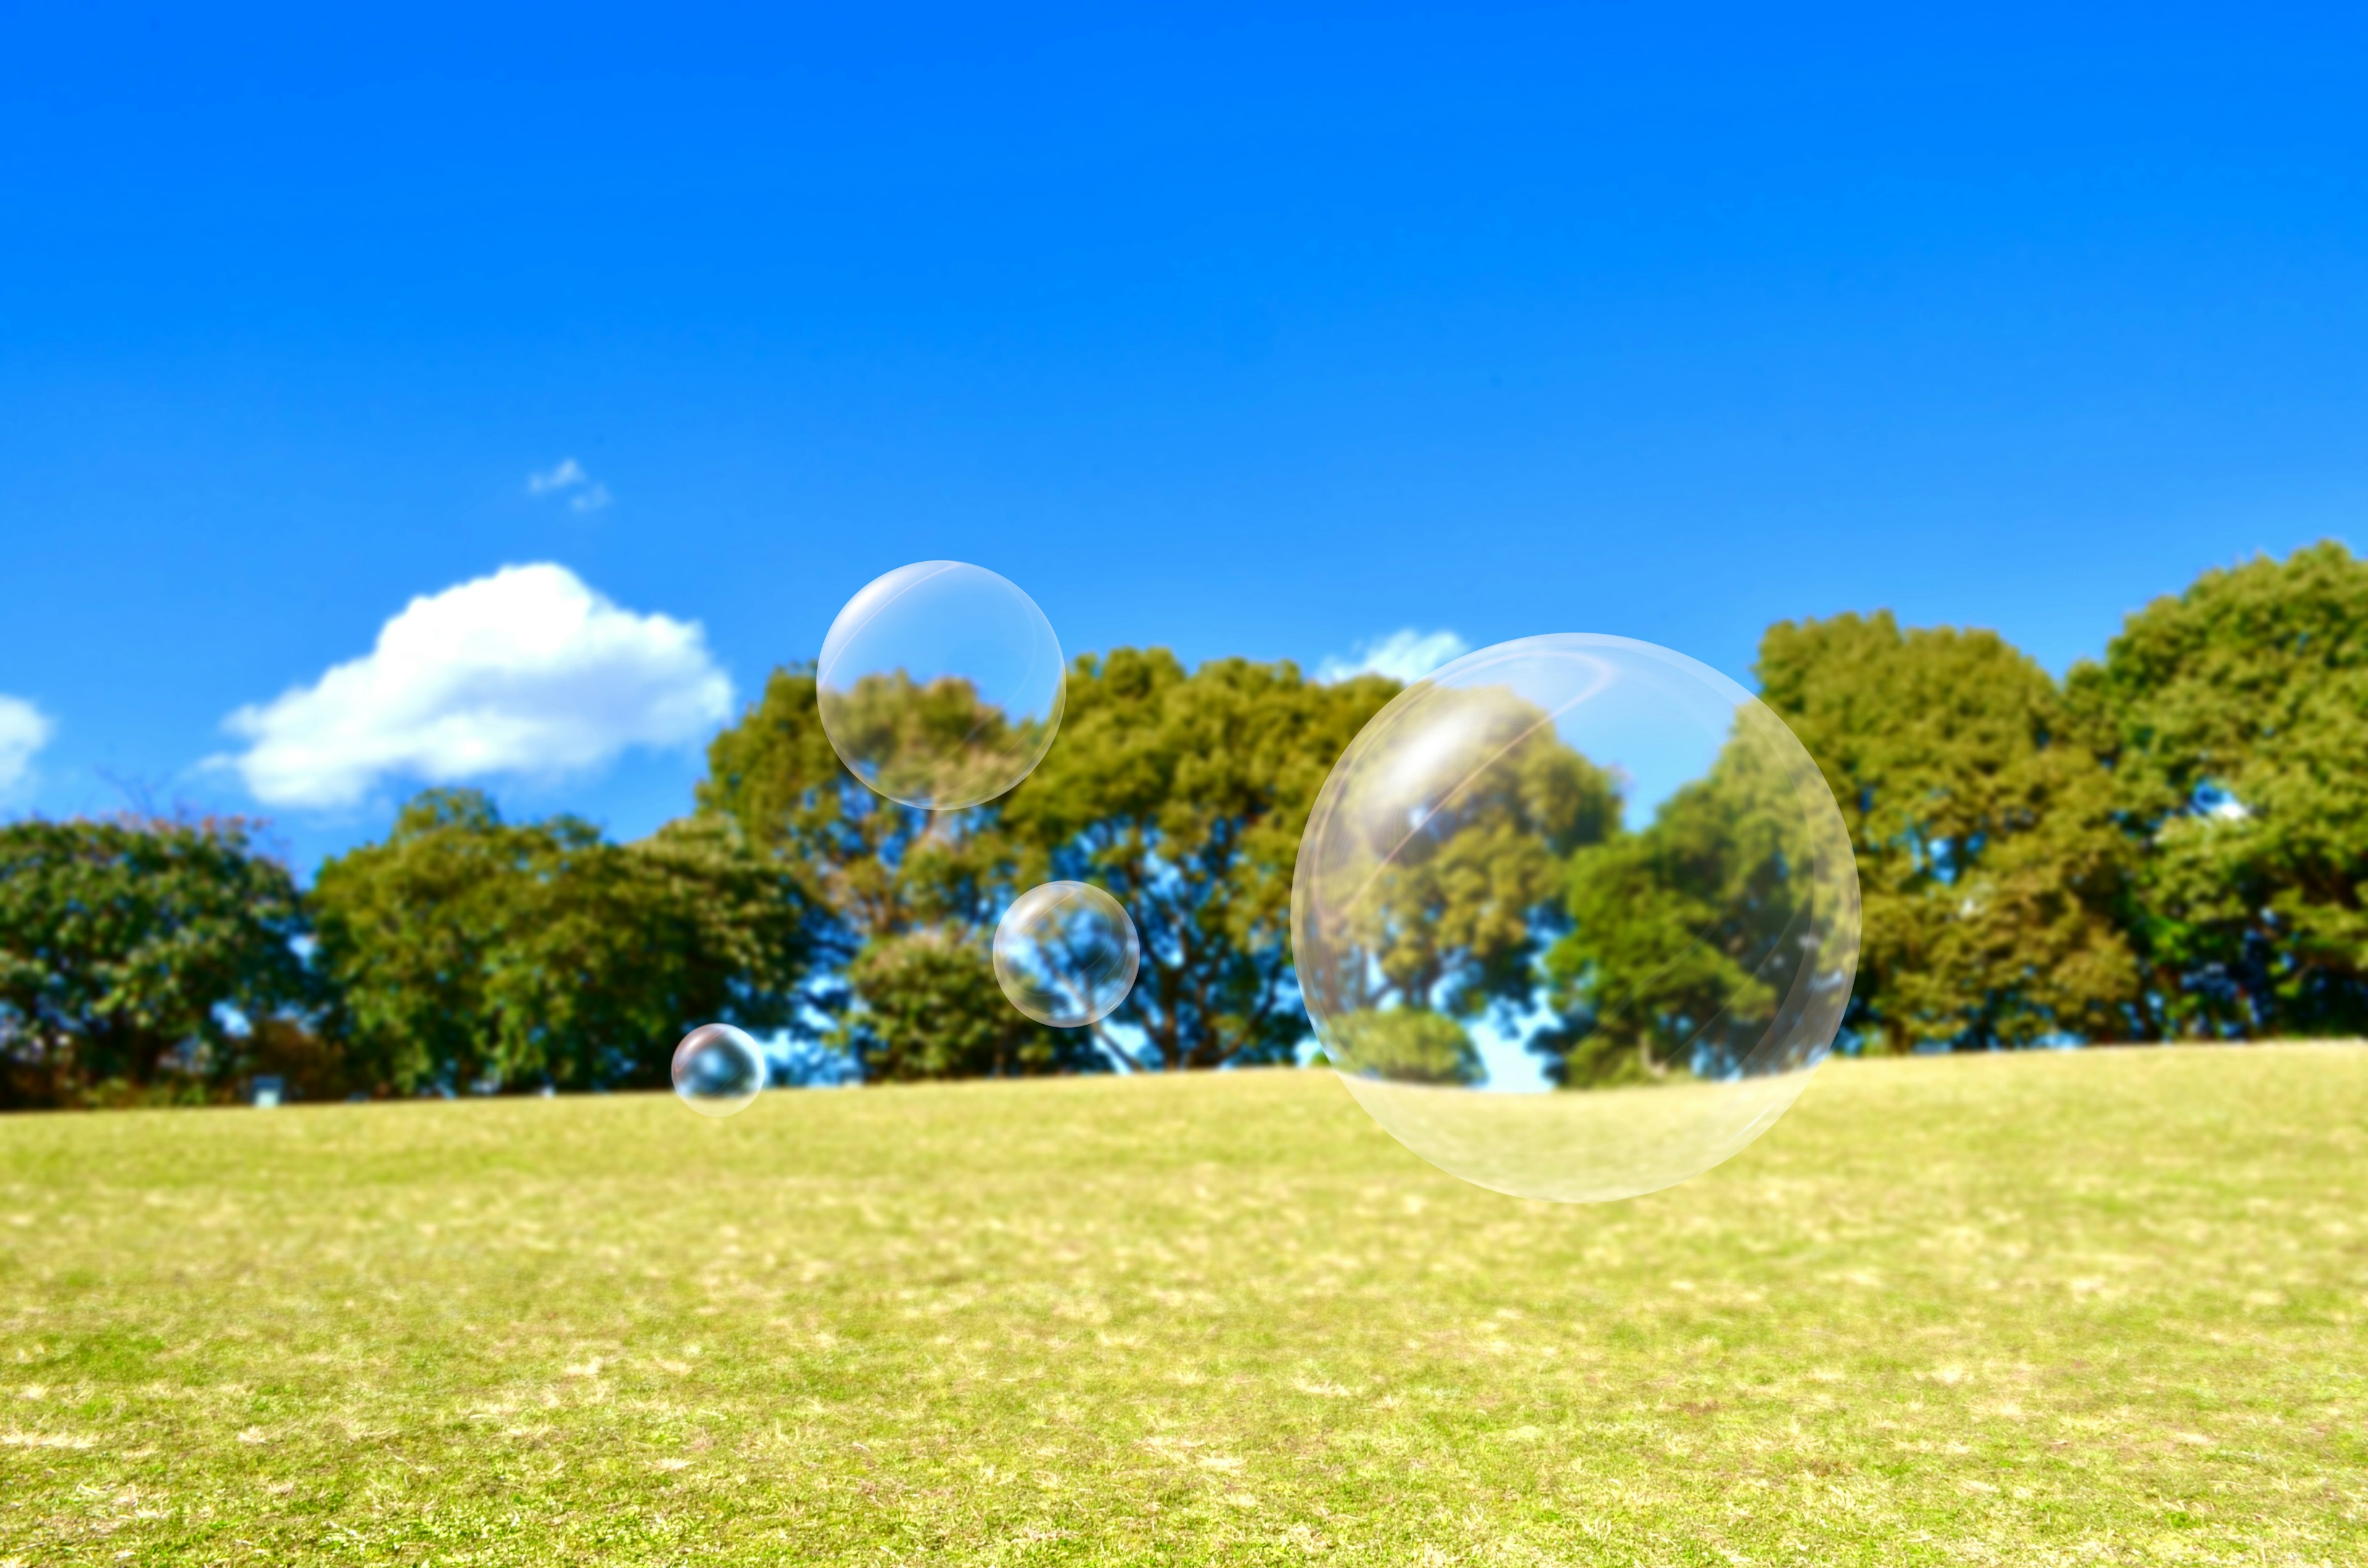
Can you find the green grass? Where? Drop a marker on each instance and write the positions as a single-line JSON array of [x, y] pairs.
[[2097, 1307]]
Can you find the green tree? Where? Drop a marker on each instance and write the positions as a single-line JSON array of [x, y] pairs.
[[1702, 943], [926, 1005], [470, 950], [2236, 717], [1995, 873], [1184, 796], [1435, 882], [131, 950], [867, 871]]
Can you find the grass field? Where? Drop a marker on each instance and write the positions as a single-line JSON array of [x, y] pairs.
[[2099, 1308]]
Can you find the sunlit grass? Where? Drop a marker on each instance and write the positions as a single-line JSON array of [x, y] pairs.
[[2108, 1307]]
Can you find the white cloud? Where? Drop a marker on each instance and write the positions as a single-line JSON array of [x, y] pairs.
[[568, 473], [584, 493], [1404, 655], [24, 730], [527, 671]]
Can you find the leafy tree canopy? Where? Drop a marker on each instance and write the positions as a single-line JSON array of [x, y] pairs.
[[928, 1006], [1446, 853], [1994, 874], [130, 952], [2171, 843], [2237, 719], [1184, 796], [867, 868], [892, 895], [468, 950], [1694, 943]]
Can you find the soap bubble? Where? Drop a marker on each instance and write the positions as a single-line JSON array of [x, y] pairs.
[[1576, 917], [718, 1070], [941, 684], [1066, 954]]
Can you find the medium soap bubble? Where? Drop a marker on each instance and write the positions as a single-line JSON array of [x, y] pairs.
[[718, 1070], [1066, 954], [1576, 917], [941, 684]]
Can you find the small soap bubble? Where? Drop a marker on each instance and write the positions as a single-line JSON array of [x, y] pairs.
[[1576, 917], [718, 1070], [1066, 954], [941, 684]]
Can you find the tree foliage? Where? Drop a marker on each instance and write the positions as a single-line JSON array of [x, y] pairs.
[[1181, 794], [1691, 940], [137, 957], [893, 895], [938, 741], [926, 1005], [865, 868], [1184, 796], [1993, 868], [468, 951], [1459, 854], [2236, 719]]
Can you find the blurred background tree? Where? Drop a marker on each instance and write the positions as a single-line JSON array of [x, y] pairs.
[[466, 952], [138, 956], [870, 875], [1685, 938], [2235, 719], [928, 1007], [1184, 796], [1994, 871]]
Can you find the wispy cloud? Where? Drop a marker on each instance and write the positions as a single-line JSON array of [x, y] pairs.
[[1405, 655], [584, 493], [24, 730], [527, 671]]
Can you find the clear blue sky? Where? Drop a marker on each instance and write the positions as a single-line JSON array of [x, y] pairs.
[[1269, 331]]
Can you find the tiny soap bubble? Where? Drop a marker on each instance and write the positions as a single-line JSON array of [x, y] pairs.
[[1066, 954], [718, 1070]]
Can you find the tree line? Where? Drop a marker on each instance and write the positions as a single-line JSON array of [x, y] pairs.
[[2170, 842]]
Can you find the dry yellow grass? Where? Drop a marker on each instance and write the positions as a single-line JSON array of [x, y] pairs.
[[2085, 1308]]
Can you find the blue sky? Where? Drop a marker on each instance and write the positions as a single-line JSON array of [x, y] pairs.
[[1273, 331]]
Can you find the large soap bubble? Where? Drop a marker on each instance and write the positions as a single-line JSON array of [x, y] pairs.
[[941, 684], [1576, 917], [1066, 954], [718, 1070]]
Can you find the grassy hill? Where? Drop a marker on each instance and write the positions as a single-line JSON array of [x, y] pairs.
[[2089, 1307]]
